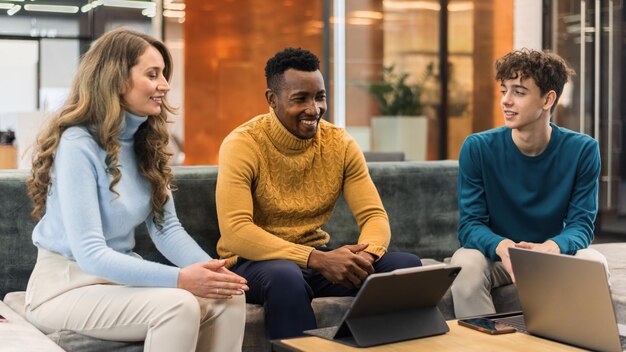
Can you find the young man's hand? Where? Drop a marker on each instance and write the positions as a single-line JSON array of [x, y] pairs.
[[548, 246], [502, 250], [344, 265]]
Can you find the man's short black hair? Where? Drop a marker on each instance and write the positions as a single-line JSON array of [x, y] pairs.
[[295, 58]]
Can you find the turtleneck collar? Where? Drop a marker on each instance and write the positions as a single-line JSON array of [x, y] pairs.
[[283, 139], [131, 125]]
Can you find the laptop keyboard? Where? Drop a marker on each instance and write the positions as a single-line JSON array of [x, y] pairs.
[[516, 321]]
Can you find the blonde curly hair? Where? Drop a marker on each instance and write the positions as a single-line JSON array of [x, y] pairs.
[[95, 102]]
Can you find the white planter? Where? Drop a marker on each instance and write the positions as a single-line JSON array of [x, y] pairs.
[[406, 134]]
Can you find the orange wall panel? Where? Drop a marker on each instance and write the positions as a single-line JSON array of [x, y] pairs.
[[227, 44], [493, 28], [503, 43]]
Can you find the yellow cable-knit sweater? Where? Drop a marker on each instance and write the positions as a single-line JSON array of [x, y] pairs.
[[275, 191]]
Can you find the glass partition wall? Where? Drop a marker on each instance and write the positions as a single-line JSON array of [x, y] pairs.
[[394, 51], [397, 46], [589, 35], [41, 43], [444, 52]]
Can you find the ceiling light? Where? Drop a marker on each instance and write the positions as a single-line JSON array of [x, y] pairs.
[[176, 14], [149, 12], [413, 5], [375, 15], [360, 21], [460, 6], [12, 11], [5, 6], [174, 6], [91, 5], [51, 8], [129, 4]]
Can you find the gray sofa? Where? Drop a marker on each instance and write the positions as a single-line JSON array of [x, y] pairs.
[[420, 198]]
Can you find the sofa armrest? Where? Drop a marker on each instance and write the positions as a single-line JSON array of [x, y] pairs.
[[17, 334]]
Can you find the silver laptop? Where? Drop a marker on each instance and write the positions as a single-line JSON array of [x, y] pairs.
[[394, 306], [566, 299]]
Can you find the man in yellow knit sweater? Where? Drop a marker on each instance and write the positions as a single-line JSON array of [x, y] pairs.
[[280, 176]]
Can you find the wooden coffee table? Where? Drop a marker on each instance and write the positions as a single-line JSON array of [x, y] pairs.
[[457, 339]]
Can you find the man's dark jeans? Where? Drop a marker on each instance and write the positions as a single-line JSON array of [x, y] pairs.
[[285, 290]]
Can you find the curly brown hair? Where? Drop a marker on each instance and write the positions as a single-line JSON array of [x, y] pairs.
[[95, 102], [548, 70]]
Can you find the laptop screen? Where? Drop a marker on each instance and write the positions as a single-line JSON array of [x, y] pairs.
[[565, 298]]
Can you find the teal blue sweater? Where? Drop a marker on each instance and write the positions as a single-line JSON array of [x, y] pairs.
[[506, 194], [89, 224]]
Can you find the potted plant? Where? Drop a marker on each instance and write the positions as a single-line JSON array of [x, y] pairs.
[[402, 127]]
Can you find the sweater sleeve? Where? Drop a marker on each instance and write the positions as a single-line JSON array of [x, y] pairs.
[[583, 204], [240, 235], [364, 201], [474, 231], [173, 241], [76, 176]]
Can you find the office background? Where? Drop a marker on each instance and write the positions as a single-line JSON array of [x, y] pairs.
[[445, 47]]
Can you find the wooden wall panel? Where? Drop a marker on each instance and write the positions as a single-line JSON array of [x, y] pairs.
[[8, 157], [227, 44], [364, 60], [503, 43], [493, 28]]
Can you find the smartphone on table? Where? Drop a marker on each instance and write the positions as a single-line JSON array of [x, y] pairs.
[[487, 326]]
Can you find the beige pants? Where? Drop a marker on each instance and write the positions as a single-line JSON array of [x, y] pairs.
[[60, 296], [471, 290]]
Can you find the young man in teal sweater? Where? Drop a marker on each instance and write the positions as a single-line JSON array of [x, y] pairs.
[[529, 184]]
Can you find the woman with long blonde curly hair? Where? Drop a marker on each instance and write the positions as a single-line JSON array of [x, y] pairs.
[[100, 170]]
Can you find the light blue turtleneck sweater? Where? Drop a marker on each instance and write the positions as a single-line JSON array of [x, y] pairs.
[[89, 224]]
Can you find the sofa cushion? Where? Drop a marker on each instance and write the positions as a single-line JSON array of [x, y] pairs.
[[19, 335], [15, 301], [73, 341], [420, 198], [70, 340], [16, 226]]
